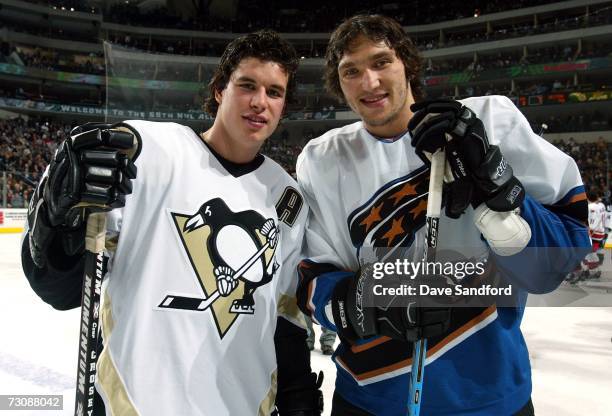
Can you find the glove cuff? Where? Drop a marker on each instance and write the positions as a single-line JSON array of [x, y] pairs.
[[302, 398], [340, 310], [40, 233], [509, 197], [502, 191]]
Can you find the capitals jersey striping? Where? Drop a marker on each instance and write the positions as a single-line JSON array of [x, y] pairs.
[[205, 263], [365, 193]]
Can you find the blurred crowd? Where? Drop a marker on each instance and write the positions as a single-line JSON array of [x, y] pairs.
[[475, 67], [317, 16], [592, 159], [596, 121], [93, 63], [26, 147], [288, 16], [323, 16]]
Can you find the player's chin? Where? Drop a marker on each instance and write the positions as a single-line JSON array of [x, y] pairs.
[[375, 120], [258, 136], [377, 113]]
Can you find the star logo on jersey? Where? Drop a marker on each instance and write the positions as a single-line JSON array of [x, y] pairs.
[[232, 254], [392, 216]]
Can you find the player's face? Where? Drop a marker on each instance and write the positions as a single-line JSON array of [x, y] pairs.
[[374, 84], [251, 105]]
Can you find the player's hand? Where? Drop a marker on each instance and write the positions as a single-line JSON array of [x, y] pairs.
[[91, 171], [301, 397], [399, 319], [478, 171]]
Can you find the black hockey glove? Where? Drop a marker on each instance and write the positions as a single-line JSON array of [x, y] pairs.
[[90, 172], [302, 397], [354, 320], [479, 171]]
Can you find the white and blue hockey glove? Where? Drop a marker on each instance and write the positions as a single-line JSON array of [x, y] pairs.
[[477, 172]]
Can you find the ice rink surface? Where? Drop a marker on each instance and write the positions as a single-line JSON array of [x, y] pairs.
[[570, 349]]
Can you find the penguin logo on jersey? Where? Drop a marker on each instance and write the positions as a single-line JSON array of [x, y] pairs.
[[232, 254], [391, 217]]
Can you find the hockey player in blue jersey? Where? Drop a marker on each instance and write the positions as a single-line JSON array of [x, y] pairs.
[[513, 195]]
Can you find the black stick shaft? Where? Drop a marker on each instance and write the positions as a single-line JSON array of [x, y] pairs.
[[95, 267]]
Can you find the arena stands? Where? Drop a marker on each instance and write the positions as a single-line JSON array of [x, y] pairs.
[[553, 59], [26, 147]]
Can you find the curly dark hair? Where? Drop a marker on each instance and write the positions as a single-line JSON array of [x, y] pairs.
[[265, 45], [377, 28]]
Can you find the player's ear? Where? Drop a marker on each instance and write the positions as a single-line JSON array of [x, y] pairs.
[[218, 96]]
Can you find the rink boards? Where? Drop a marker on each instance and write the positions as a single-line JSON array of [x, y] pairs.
[[12, 220]]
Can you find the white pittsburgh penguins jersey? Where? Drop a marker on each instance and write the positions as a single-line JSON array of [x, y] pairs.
[[597, 220], [204, 263]]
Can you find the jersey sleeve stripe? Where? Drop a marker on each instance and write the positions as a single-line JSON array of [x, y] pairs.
[[575, 194]]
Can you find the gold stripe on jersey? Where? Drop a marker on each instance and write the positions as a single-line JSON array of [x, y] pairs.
[[267, 404], [287, 307], [108, 323], [117, 399]]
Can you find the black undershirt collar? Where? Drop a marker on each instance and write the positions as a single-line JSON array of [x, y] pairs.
[[235, 169]]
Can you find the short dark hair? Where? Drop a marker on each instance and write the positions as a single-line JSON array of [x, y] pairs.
[[593, 195], [376, 28], [265, 45]]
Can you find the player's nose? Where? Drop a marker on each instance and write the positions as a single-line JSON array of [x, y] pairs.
[[370, 80], [259, 100]]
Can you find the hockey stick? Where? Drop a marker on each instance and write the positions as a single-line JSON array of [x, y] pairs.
[[95, 267], [94, 270], [434, 204]]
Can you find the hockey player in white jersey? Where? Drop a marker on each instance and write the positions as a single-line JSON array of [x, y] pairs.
[[199, 313], [597, 231], [510, 194]]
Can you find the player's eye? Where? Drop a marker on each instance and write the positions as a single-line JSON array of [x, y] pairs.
[[381, 63], [275, 94], [349, 72], [247, 86]]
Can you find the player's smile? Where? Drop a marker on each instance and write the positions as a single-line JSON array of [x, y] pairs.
[[254, 121], [375, 101]]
